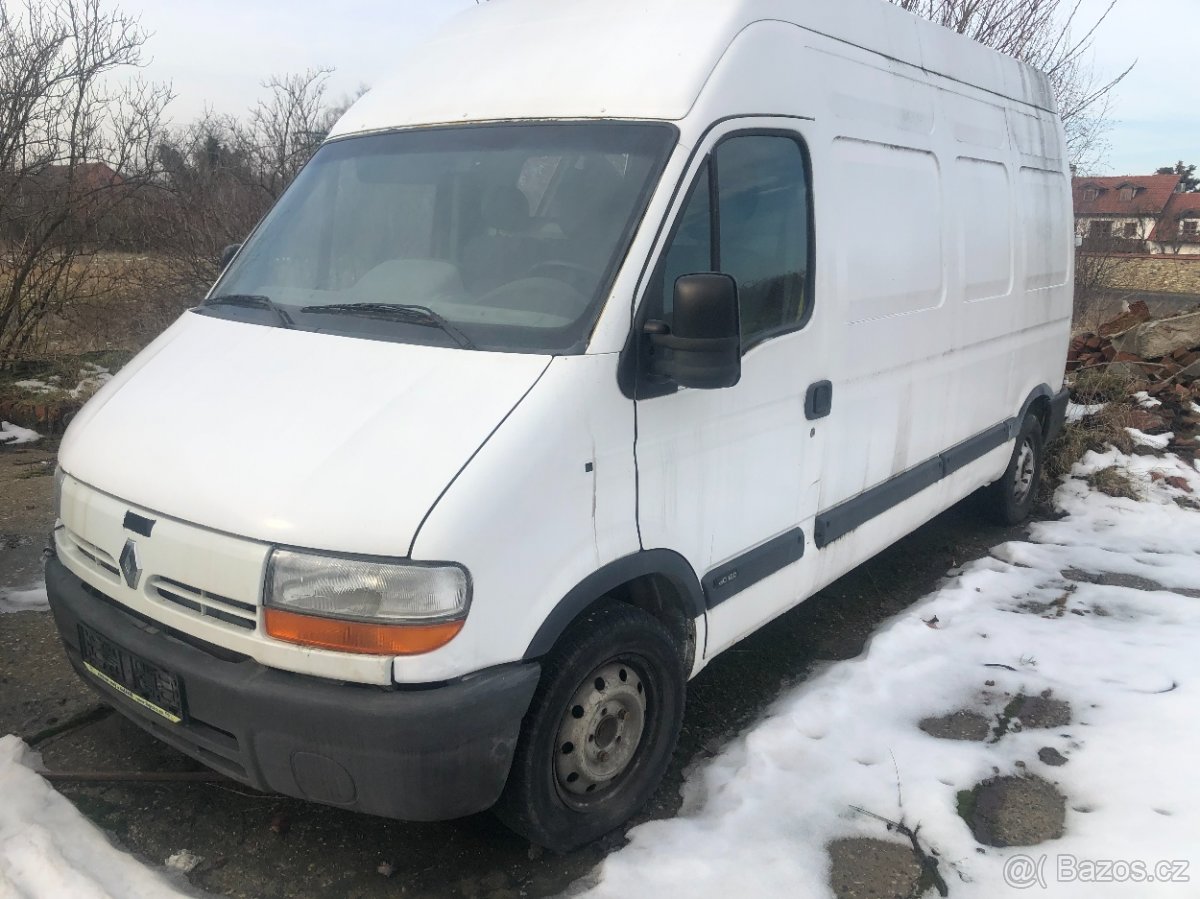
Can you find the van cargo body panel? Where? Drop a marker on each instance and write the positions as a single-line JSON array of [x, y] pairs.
[[224, 429], [492, 63]]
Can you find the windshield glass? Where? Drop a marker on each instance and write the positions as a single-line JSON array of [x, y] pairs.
[[501, 237]]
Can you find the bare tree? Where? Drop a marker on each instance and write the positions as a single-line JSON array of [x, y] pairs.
[[1051, 36], [74, 150], [209, 193], [1097, 297], [288, 126], [221, 174]]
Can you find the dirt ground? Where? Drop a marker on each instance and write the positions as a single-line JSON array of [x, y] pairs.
[[256, 845]]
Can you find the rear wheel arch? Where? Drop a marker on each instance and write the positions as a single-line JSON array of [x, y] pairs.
[[659, 581], [1038, 404]]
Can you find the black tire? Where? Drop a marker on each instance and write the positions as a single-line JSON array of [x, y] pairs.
[[641, 659], [1011, 499]]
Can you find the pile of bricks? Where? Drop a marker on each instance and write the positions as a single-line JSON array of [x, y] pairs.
[[1163, 353], [1160, 357]]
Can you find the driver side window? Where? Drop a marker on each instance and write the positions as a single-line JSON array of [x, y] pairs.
[[748, 215]]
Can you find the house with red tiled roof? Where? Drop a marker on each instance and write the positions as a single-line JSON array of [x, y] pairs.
[[1121, 213], [1178, 231], [88, 175], [1136, 214]]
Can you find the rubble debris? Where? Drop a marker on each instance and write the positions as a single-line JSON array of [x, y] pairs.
[[1161, 359]]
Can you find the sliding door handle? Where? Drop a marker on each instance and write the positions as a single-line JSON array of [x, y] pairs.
[[818, 402]]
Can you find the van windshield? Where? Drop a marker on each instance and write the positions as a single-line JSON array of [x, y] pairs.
[[498, 237]]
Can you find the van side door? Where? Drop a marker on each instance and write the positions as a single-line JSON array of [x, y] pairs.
[[729, 477]]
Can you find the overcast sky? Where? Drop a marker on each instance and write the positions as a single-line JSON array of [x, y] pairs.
[[218, 53], [1156, 110]]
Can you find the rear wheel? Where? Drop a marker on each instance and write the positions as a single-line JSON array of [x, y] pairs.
[[600, 731], [1012, 497]]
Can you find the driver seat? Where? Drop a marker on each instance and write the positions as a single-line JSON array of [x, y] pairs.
[[502, 252]]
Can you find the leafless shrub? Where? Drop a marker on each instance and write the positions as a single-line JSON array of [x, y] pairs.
[[221, 174], [75, 150], [1095, 275]]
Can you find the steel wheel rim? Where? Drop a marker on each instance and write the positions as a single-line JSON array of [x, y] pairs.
[[601, 731], [1026, 468]]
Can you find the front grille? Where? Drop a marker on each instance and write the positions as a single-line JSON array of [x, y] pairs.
[[97, 558], [195, 600], [208, 605]]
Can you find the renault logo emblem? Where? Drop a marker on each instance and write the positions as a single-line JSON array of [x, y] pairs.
[[130, 569]]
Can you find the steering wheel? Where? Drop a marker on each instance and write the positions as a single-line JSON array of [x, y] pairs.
[[579, 276]]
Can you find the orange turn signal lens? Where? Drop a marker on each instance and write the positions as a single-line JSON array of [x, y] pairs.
[[359, 637]]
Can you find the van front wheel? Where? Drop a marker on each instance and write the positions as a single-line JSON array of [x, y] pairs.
[[1012, 497], [600, 731]]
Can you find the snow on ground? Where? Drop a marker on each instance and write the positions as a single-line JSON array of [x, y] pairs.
[[48, 849], [91, 378], [1153, 441], [757, 819], [1080, 411], [11, 435], [1146, 401], [31, 599]]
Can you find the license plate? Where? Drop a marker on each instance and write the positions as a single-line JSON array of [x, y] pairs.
[[145, 683]]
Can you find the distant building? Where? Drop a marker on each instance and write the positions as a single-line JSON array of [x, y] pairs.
[[1178, 231], [88, 175], [1137, 214]]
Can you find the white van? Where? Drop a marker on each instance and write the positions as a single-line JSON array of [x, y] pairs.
[[604, 334]]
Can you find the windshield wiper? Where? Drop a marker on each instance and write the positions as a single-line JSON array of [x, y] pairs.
[[252, 301], [401, 312]]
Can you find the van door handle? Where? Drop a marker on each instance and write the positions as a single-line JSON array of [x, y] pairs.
[[818, 402]]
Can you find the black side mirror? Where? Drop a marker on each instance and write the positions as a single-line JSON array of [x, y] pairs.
[[702, 348], [228, 253]]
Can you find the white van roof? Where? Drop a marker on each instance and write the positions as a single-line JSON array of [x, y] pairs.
[[641, 59]]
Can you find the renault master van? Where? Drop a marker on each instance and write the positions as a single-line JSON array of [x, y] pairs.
[[605, 333]]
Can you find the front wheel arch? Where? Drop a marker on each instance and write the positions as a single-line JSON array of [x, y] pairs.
[[658, 581]]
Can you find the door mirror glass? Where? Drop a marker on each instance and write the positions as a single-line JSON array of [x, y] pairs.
[[701, 348], [228, 253]]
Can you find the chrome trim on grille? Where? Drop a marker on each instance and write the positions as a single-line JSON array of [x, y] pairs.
[[201, 602], [197, 601], [104, 563]]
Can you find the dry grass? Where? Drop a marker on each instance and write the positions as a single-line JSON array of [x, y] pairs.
[[1096, 432], [1093, 387], [126, 300], [1102, 384], [1115, 481], [132, 309]]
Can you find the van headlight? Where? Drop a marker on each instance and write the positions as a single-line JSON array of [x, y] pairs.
[[364, 605]]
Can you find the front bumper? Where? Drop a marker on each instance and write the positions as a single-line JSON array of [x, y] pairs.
[[416, 754]]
